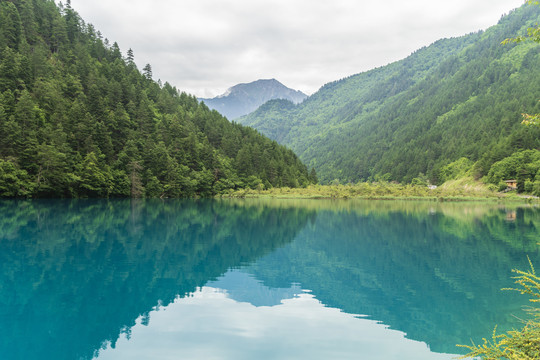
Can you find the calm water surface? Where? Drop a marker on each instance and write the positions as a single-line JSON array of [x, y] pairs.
[[257, 279]]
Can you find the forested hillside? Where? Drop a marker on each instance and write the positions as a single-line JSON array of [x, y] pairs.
[[78, 119], [458, 98]]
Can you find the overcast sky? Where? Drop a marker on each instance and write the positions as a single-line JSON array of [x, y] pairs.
[[204, 47]]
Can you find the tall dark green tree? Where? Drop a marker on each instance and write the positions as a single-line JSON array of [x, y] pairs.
[[11, 30]]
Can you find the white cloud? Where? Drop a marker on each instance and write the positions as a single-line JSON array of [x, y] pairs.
[[206, 46]]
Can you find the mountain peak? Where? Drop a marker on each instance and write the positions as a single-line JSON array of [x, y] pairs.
[[242, 99]]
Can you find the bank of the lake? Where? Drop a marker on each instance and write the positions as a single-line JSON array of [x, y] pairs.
[[451, 191]]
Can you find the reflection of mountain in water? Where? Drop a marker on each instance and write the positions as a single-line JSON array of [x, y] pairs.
[[75, 274], [243, 287], [437, 278]]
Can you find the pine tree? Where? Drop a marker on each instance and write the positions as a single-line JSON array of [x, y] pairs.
[[147, 71], [11, 29], [130, 58]]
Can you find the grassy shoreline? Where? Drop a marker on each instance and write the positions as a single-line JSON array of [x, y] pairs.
[[454, 191]]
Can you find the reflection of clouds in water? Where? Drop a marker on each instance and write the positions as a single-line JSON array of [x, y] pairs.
[[210, 325]]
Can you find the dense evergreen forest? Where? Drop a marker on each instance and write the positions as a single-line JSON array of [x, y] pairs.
[[458, 101], [78, 119]]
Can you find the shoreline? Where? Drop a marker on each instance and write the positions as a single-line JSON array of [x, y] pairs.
[[367, 191]]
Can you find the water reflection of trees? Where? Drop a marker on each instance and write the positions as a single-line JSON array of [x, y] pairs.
[[78, 273], [430, 270]]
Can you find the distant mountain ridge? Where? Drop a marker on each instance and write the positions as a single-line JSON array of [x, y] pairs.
[[457, 98], [243, 99]]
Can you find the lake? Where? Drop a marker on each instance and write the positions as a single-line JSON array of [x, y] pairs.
[[258, 279]]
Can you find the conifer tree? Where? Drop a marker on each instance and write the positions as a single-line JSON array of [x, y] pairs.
[[11, 29]]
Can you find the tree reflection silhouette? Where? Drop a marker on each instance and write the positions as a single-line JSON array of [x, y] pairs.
[[77, 273]]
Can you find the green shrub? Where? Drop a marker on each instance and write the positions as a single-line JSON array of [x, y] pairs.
[[521, 344], [528, 187], [536, 187]]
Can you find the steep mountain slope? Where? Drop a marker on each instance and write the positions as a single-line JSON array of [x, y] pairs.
[[459, 97], [242, 99], [79, 120]]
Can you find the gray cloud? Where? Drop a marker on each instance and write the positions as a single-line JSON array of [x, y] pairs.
[[205, 46]]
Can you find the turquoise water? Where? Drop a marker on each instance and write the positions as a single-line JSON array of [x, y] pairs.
[[257, 279]]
